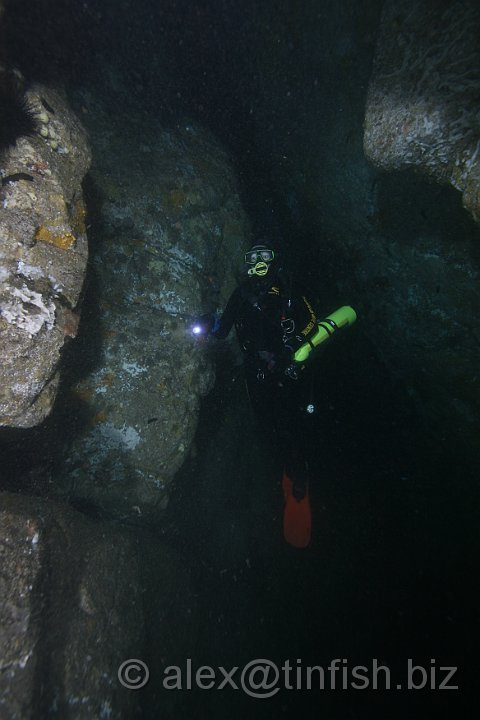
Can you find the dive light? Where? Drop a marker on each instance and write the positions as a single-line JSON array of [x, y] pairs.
[[204, 324]]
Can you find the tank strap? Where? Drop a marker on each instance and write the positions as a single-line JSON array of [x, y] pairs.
[[328, 325]]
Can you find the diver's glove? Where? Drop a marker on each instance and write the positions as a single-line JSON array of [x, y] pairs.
[[206, 324]]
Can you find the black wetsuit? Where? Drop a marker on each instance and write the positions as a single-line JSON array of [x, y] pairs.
[[272, 318]]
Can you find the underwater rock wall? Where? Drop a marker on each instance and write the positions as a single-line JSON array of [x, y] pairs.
[[70, 613], [424, 94], [166, 238], [422, 113], [43, 256]]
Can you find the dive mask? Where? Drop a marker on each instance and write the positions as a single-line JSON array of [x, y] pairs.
[[254, 256], [260, 259]]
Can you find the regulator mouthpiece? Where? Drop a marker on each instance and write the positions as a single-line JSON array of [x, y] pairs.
[[260, 269]]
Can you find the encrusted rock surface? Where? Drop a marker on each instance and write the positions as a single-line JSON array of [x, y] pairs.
[[421, 270], [43, 256], [70, 613], [423, 98], [166, 238]]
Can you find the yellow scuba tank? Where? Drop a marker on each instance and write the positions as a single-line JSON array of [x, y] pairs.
[[343, 317]]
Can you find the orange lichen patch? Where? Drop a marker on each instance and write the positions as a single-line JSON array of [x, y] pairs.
[[109, 333], [99, 417], [38, 166], [83, 392], [65, 241], [108, 379]]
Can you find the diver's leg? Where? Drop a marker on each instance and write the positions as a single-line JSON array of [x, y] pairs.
[[294, 434], [296, 467]]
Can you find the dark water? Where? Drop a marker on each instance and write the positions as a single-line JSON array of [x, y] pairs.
[[388, 575]]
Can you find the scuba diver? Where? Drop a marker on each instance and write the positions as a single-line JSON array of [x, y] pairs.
[[277, 327]]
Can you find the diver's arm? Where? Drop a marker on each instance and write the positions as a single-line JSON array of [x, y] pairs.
[[229, 315]]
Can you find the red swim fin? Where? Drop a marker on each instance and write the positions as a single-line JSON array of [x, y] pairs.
[[297, 516]]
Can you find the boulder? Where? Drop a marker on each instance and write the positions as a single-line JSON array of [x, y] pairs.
[[167, 232], [422, 104], [43, 256], [70, 613]]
